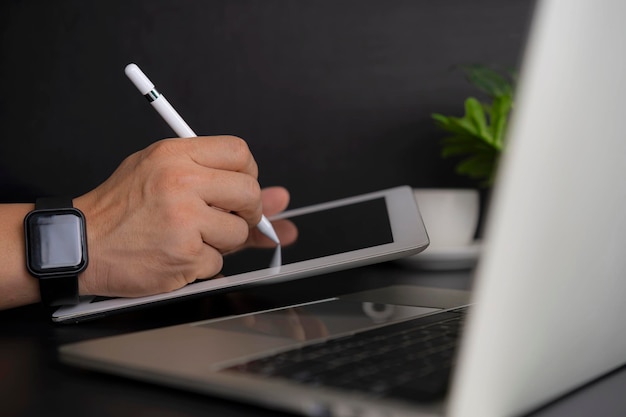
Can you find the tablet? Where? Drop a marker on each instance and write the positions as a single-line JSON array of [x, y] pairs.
[[331, 236]]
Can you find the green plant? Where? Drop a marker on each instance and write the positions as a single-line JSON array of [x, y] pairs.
[[478, 137]]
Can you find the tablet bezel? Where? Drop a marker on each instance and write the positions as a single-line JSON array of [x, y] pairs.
[[407, 228]]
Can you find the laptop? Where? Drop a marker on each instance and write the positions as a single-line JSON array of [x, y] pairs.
[[546, 308]]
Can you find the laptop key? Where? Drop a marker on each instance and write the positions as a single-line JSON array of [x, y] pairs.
[[427, 388]]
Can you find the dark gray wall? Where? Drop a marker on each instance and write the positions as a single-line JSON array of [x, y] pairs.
[[333, 96]]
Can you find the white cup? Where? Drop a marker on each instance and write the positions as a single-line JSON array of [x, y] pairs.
[[450, 215]]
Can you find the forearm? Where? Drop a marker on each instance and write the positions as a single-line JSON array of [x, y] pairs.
[[17, 286]]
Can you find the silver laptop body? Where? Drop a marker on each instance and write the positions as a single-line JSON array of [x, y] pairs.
[[550, 287]]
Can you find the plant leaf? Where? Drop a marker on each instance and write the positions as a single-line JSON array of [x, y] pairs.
[[478, 166], [475, 114], [457, 149], [501, 108], [478, 136], [456, 125], [487, 80]]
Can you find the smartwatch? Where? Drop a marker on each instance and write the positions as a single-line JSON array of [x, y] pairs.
[[56, 249]]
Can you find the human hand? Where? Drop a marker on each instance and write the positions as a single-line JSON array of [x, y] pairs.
[[274, 200], [166, 215]]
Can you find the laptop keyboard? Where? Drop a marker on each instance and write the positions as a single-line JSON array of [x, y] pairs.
[[408, 360]]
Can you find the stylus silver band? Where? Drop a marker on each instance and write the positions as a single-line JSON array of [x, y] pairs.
[[152, 95]]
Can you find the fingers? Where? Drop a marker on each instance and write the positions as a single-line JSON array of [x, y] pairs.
[[230, 183], [219, 169], [221, 152], [208, 263], [274, 200], [222, 230], [231, 191]]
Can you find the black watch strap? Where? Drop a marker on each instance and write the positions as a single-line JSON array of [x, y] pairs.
[[59, 291], [63, 289], [53, 203]]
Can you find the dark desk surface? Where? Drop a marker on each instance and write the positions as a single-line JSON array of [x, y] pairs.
[[34, 383]]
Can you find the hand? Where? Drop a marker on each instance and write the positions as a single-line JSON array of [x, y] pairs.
[[166, 215], [275, 200]]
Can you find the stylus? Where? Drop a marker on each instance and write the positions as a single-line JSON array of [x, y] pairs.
[[178, 124]]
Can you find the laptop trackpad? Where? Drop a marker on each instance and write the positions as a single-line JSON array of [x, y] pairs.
[[317, 320], [412, 295]]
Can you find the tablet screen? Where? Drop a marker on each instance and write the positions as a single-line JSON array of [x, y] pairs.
[[322, 233]]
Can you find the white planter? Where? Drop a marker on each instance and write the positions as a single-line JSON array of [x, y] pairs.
[[451, 217]]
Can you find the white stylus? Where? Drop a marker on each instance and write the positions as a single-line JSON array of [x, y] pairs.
[[178, 125]]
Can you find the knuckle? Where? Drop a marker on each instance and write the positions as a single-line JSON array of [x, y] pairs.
[[239, 149], [167, 179], [200, 263], [236, 234], [188, 261], [251, 190], [214, 264], [164, 172], [162, 148], [192, 250], [241, 232], [238, 143]]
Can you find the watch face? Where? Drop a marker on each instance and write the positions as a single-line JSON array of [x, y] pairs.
[[55, 241]]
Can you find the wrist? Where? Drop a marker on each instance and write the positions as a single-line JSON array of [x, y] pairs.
[[89, 278], [16, 285]]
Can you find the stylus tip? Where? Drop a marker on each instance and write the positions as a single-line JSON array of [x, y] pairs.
[[266, 228]]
